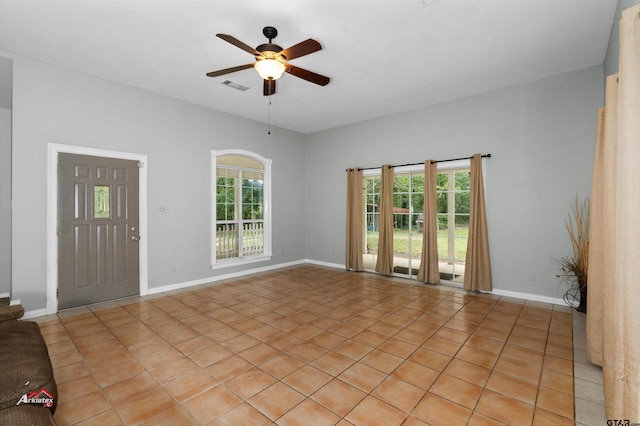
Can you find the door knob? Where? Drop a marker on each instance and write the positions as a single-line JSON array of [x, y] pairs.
[[135, 237]]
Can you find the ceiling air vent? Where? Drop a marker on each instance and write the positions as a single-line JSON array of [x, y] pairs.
[[235, 85]]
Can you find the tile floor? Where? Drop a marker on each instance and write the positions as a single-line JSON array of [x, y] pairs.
[[589, 392], [311, 346]]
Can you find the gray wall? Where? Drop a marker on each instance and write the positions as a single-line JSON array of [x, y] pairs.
[[611, 61], [5, 200], [6, 78], [55, 105], [541, 136]]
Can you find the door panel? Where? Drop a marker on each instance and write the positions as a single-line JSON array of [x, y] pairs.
[[98, 254], [120, 248], [102, 262], [82, 246]]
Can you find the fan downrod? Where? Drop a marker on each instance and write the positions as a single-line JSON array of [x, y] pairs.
[[270, 33]]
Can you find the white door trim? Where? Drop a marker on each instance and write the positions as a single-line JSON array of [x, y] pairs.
[[52, 215]]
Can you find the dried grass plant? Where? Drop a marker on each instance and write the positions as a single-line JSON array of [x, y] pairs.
[[574, 268]]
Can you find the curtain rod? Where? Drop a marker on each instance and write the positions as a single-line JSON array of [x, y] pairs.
[[417, 164]]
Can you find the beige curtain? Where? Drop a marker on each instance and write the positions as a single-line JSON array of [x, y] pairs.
[[428, 271], [384, 263], [620, 291], [602, 210], [477, 272], [353, 259]]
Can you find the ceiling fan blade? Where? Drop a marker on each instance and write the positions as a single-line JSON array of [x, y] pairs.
[[269, 87], [301, 49], [229, 70], [238, 43], [307, 75]]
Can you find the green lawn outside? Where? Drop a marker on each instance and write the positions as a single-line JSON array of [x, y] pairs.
[[401, 243]]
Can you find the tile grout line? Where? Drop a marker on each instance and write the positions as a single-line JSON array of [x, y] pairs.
[[342, 303]]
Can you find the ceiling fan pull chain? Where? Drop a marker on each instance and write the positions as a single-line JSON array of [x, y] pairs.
[[269, 121]]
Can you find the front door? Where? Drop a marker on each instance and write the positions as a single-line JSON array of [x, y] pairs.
[[98, 255]]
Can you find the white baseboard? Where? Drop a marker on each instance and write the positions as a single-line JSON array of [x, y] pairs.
[[529, 296], [496, 291], [35, 313], [321, 263], [210, 280]]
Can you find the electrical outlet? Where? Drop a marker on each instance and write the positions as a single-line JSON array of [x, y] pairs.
[[532, 276], [163, 210]]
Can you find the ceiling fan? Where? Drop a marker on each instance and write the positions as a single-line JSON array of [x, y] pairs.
[[272, 60]]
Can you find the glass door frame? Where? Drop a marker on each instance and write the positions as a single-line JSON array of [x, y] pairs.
[[415, 169]]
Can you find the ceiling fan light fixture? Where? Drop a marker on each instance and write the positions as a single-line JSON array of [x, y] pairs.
[[269, 69], [271, 60]]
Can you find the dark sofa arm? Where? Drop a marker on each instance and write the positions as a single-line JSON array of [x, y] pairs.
[[26, 374]]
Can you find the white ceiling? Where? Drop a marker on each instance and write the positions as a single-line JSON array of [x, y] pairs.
[[383, 56]]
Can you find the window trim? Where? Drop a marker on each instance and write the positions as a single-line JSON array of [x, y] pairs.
[[266, 255]]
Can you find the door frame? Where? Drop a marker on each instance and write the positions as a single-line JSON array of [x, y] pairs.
[[52, 214]]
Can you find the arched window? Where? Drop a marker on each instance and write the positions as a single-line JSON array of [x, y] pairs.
[[241, 213]]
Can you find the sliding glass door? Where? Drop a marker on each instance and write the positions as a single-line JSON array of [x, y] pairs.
[[408, 196], [452, 221], [371, 221], [452, 192]]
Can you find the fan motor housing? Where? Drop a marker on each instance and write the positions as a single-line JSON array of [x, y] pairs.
[[269, 47]]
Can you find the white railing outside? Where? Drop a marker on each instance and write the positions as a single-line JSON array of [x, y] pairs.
[[228, 240], [252, 239]]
